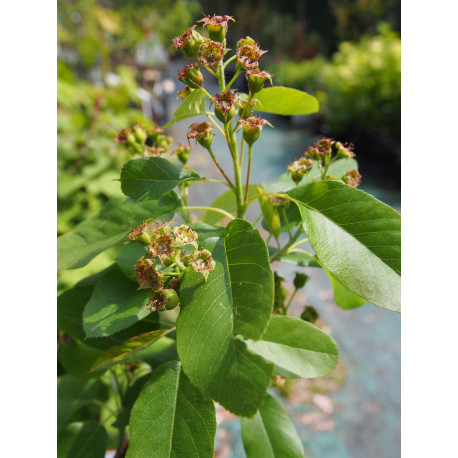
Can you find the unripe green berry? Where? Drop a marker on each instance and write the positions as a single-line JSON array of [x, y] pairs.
[[171, 296]]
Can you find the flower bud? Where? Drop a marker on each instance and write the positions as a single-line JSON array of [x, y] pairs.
[[248, 56], [225, 106], [191, 76], [217, 26], [140, 235], [202, 132], [344, 151], [300, 280], [171, 298], [310, 314], [189, 42], [147, 276], [299, 168], [252, 128], [245, 41], [212, 53], [139, 133], [352, 178], [202, 262], [256, 80], [183, 153]]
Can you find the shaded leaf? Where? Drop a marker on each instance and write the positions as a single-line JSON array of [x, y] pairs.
[[297, 348], [236, 299], [271, 433], [77, 358], [286, 101], [127, 258], [128, 350], [150, 178], [86, 439], [72, 394], [115, 304], [109, 227], [70, 307], [356, 238], [192, 105], [171, 418]]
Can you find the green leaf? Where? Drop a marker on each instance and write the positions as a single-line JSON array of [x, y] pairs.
[[70, 307], [297, 259], [356, 238], [72, 394], [109, 227], [271, 433], [206, 231], [128, 350], [77, 358], [171, 418], [285, 183], [270, 214], [192, 105], [286, 101], [86, 439], [237, 298], [226, 201], [128, 401], [115, 304], [150, 178], [297, 348], [128, 256], [343, 297]]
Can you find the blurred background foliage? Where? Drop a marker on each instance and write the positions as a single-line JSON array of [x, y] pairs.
[[114, 71]]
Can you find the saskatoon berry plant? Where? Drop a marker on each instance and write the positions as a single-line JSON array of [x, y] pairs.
[[192, 314]]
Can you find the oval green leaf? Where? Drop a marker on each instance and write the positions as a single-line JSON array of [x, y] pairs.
[[271, 433], [150, 178], [192, 105], [115, 304], [128, 350], [286, 101], [356, 238], [297, 348], [86, 439], [171, 417], [343, 297], [91, 237], [237, 298]]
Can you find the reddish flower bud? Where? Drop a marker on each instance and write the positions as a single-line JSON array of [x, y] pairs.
[[345, 151], [140, 234], [202, 262], [217, 26], [191, 76], [252, 128], [189, 42], [202, 132], [211, 53], [185, 235], [256, 80], [299, 168], [225, 106], [245, 41], [352, 177], [162, 247], [248, 56], [147, 275], [125, 136]]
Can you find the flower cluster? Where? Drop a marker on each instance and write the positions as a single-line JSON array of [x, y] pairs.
[[210, 53], [144, 142], [324, 153], [171, 250]]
